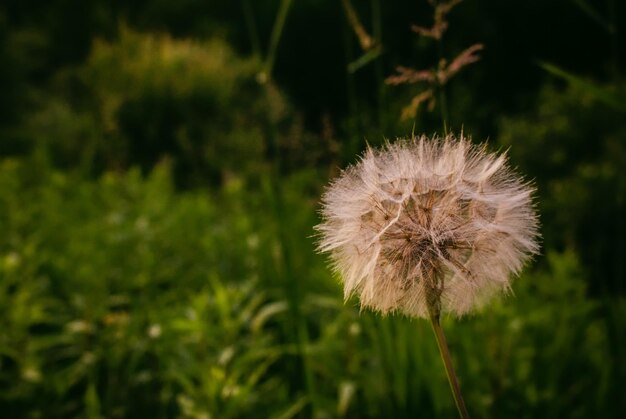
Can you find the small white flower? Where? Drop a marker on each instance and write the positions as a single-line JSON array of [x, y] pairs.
[[428, 223], [154, 331]]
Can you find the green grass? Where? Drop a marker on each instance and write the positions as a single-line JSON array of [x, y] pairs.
[[123, 297]]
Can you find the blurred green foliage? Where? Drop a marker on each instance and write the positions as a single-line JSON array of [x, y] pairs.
[[122, 297], [572, 143], [158, 194], [146, 96]]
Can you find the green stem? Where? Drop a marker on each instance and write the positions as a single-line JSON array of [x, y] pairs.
[[447, 361], [353, 125], [378, 67], [277, 30]]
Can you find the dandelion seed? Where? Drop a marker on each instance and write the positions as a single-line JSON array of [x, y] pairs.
[[428, 224]]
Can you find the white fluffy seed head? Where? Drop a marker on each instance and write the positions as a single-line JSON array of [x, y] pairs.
[[425, 222]]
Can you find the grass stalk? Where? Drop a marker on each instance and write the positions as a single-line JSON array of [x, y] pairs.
[[294, 293], [377, 26], [351, 99], [287, 272], [353, 19], [443, 102], [277, 31]]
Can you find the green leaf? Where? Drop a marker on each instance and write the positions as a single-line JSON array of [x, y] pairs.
[[609, 98], [365, 59]]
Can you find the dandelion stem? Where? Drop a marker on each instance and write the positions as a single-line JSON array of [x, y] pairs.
[[447, 361]]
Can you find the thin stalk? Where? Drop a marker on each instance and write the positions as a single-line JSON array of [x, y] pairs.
[[277, 31], [288, 272], [352, 100], [378, 67], [447, 361], [443, 103], [364, 39]]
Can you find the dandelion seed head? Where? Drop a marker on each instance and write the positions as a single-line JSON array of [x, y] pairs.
[[428, 221]]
